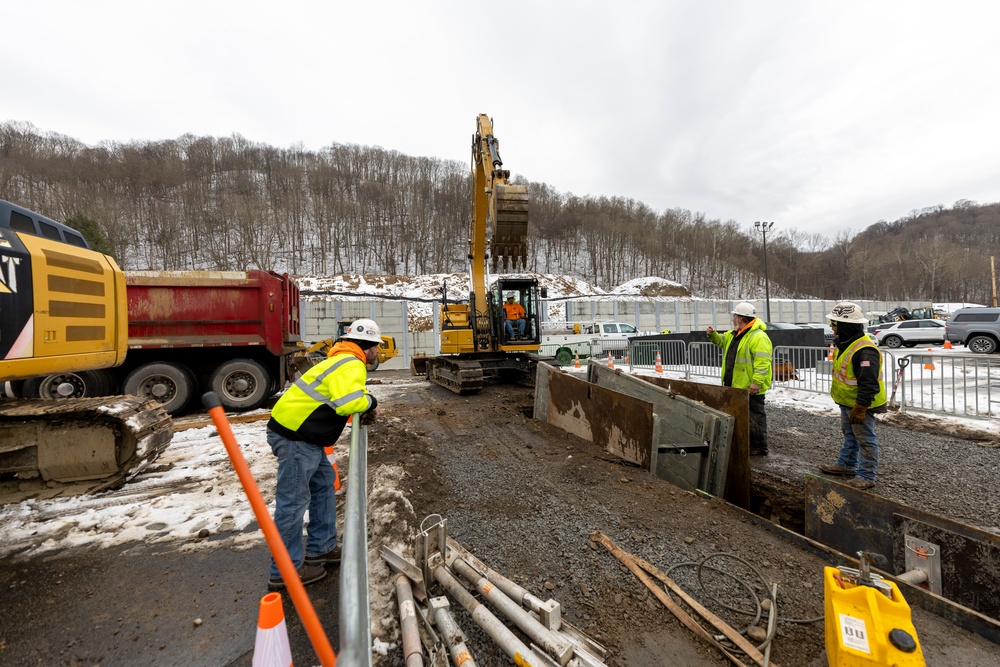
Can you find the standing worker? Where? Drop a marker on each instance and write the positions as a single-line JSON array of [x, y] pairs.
[[515, 317], [747, 365], [309, 416], [859, 390]]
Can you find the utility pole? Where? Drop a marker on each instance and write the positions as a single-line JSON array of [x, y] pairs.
[[993, 272], [764, 228]]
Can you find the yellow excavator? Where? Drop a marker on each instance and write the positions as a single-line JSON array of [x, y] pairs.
[[475, 341], [64, 311]]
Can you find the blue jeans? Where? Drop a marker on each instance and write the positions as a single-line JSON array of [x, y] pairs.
[[510, 327], [305, 480], [859, 442]]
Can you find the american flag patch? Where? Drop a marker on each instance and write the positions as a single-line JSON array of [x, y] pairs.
[[865, 364]]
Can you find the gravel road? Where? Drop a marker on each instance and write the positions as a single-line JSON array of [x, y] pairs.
[[525, 497]]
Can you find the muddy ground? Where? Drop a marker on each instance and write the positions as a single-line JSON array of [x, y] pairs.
[[525, 497]]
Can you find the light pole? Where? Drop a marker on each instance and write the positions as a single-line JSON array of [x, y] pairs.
[[764, 228]]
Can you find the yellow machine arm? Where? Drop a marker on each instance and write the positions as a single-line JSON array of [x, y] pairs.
[[499, 227]]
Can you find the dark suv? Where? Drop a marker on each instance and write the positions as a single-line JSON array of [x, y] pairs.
[[976, 328]]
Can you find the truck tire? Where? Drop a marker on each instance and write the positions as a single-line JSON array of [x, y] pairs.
[[241, 384], [66, 385], [982, 345], [171, 385], [373, 366], [564, 356]]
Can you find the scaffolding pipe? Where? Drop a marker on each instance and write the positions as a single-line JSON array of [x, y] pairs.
[[412, 651], [518, 594], [452, 635], [549, 641], [491, 625]]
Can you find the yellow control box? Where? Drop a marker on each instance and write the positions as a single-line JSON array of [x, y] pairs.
[[865, 626]]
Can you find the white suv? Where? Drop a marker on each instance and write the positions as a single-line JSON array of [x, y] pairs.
[[910, 333]]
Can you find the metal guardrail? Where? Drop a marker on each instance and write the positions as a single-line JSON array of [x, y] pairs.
[[355, 612], [960, 385]]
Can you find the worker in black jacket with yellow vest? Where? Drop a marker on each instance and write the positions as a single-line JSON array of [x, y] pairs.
[[859, 390], [309, 416]]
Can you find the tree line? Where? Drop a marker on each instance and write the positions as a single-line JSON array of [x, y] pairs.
[[232, 204]]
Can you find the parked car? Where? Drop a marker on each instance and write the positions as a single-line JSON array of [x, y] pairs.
[[910, 333], [828, 334], [976, 328]]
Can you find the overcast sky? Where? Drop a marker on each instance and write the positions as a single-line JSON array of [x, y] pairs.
[[820, 116]]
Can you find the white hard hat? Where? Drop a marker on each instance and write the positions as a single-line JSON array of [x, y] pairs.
[[846, 311], [510, 295], [365, 330], [745, 310]]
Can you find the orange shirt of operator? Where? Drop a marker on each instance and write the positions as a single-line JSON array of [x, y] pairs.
[[513, 310]]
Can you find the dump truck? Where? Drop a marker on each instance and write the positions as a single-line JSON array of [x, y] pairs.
[[236, 333]]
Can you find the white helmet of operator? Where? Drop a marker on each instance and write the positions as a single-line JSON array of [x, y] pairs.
[[847, 311], [363, 330], [745, 310]]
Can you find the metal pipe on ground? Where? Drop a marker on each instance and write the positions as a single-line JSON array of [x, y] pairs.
[[491, 625], [545, 638], [408, 623], [452, 635], [548, 611]]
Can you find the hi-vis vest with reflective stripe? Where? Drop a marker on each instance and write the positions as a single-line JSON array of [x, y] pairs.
[[844, 387], [338, 382], [753, 356]]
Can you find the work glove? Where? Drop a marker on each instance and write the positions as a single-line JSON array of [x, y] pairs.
[[368, 418], [858, 414]]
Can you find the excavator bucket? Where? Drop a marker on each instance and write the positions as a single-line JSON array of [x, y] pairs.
[[509, 247]]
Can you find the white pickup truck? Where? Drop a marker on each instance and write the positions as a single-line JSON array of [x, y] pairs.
[[565, 341]]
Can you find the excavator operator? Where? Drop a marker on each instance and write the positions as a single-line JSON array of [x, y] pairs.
[[515, 317]]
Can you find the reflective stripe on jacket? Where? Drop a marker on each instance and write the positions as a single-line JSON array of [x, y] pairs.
[[315, 408], [844, 387], [753, 356]]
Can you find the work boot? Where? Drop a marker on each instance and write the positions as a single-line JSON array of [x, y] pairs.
[[860, 483], [836, 469], [331, 556], [309, 574]]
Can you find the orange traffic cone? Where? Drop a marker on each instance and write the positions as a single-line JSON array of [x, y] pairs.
[[627, 362], [659, 362], [333, 461], [271, 648], [829, 355], [611, 361], [576, 361], [947, 345], [929, 362]]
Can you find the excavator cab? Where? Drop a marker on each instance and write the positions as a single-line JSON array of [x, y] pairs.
[[526, 293]]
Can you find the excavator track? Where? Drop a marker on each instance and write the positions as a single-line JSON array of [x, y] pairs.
[[460, 376], [52, 448]]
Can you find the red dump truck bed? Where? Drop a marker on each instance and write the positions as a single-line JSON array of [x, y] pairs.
[[212, 308]]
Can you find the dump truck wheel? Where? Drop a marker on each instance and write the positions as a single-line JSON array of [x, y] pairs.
[[241, 384], [64, 385], [171, 385], [373, 365]]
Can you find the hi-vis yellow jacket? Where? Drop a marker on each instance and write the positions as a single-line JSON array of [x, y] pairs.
[[753, 356], [316, 407]]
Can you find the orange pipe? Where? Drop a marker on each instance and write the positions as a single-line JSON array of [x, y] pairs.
[[303, 606]]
